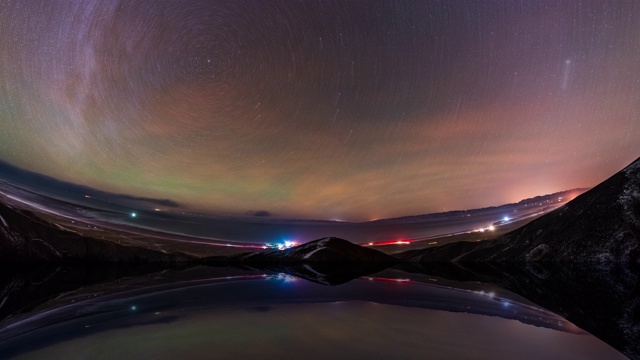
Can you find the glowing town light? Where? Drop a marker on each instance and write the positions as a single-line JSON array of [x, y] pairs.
[[491, 228], [133, 214], [280, 246], [506, 218], [391, 242]]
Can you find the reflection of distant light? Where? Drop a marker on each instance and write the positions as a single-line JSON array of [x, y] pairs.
[[389, 280], [283, 277], [490, 294]]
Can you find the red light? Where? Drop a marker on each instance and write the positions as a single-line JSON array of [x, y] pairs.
[[393, 242]]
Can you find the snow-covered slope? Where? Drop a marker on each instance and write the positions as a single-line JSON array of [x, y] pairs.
[[329, 249]]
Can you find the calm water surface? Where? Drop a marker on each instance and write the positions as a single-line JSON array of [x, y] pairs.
[[389, 315]]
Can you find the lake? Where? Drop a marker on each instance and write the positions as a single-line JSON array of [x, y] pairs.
[[223, 313]]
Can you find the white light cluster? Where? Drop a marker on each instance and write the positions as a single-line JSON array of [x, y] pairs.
[[282, 245], [488, 228]]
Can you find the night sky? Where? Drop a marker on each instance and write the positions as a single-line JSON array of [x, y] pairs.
[[347, 110]]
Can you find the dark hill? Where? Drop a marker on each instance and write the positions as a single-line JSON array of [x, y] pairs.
[[325, 250], [24, 237], [601, 225]]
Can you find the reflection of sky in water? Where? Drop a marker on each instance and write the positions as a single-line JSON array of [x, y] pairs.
[[279, 316], [348, 329]]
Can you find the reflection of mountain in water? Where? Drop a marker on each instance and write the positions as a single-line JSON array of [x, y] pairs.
[[605, 303], [603, 300], [324, 273], [79, 296]]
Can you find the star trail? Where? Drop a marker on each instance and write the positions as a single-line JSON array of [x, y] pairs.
[[349, 110]]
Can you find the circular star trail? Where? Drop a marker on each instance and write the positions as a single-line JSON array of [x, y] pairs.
[[321, 109]]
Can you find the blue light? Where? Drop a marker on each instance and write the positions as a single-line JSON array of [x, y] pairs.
[[133, 214], [287, 244]]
